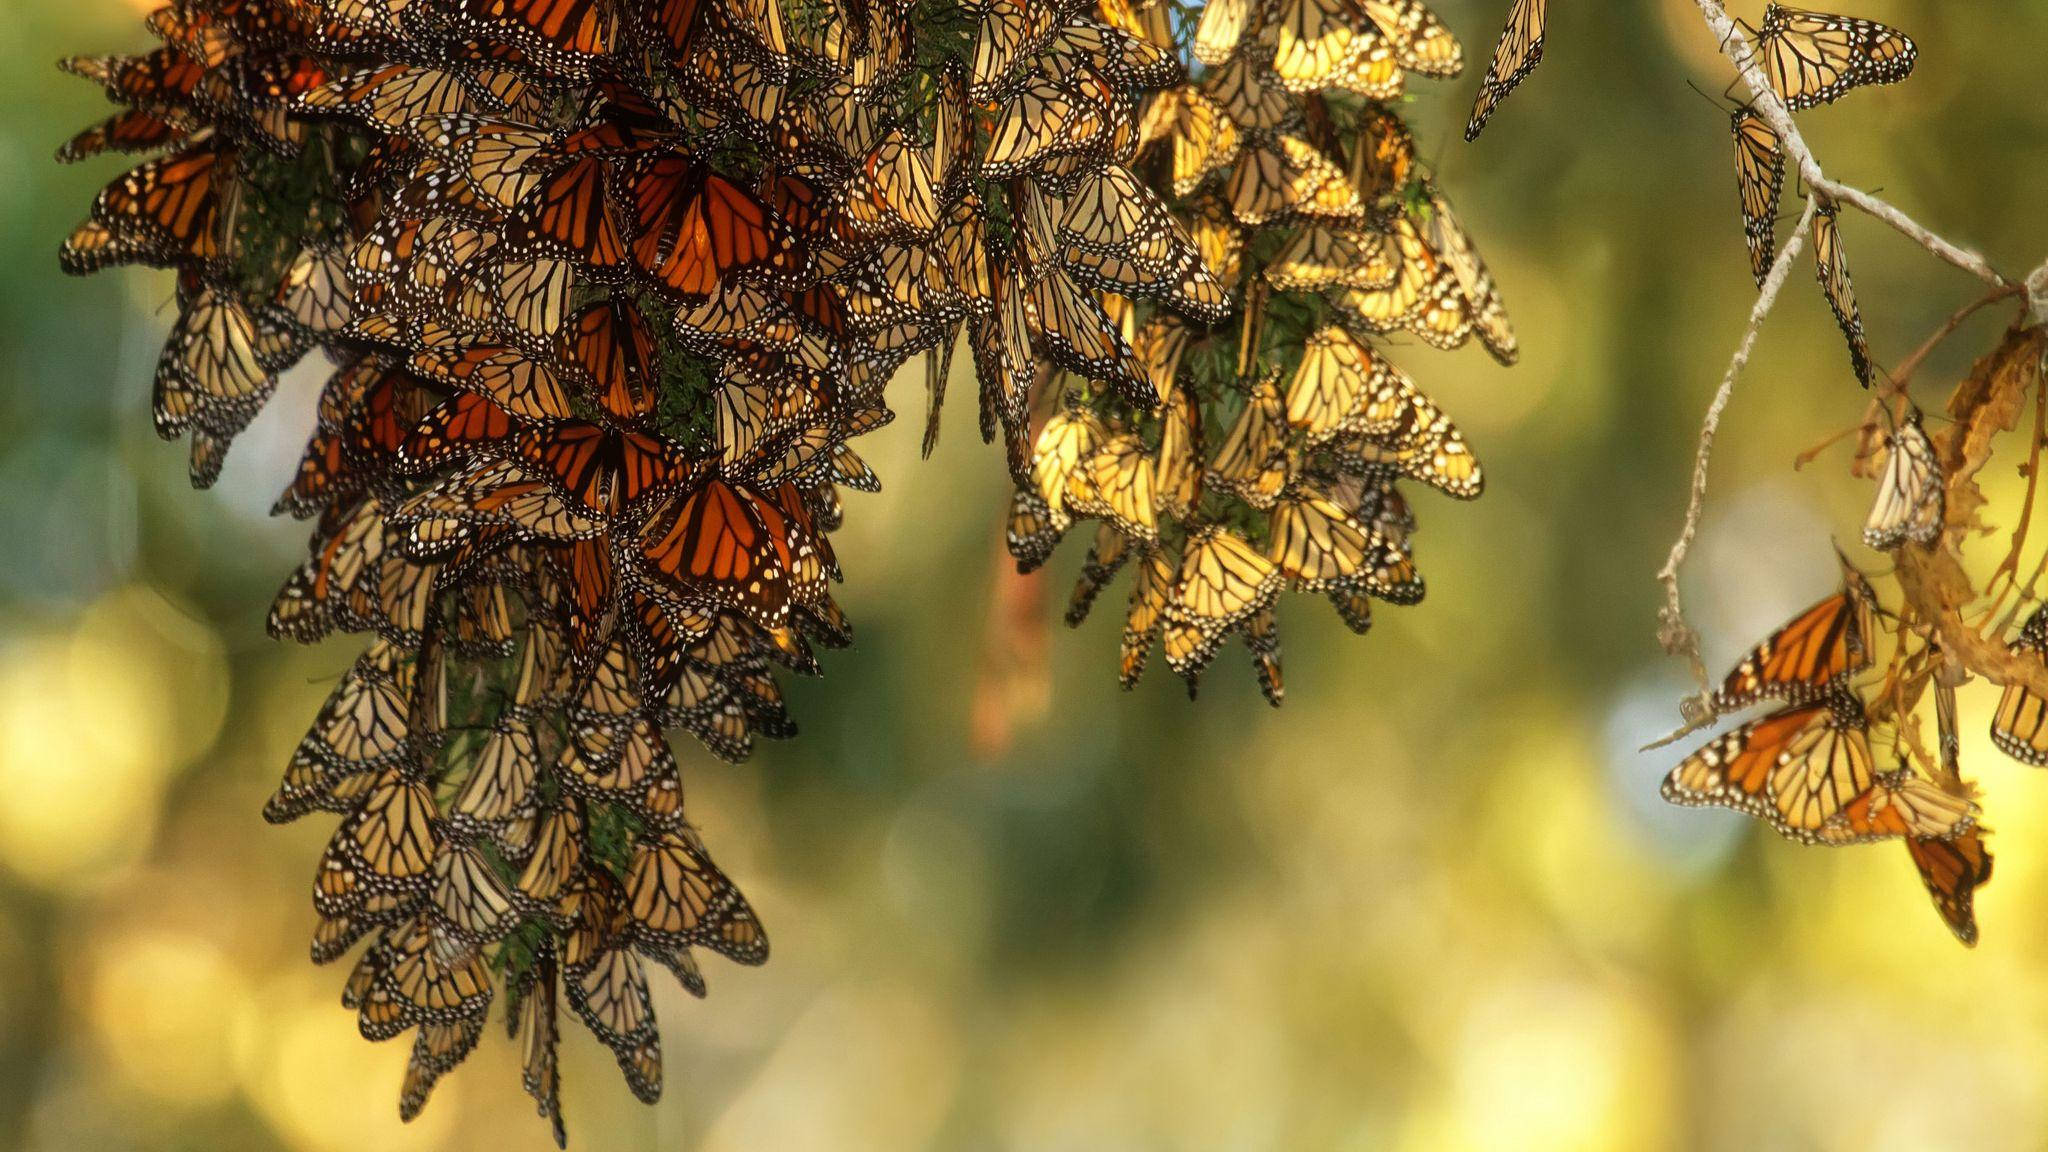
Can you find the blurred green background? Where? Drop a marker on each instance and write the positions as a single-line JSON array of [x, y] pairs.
[[1433, 903]]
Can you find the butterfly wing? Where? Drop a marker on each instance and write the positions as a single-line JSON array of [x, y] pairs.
[[1517, 53], [1759, 178]]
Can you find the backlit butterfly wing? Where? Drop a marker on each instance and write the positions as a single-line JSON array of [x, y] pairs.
[[1421, 43], [1315, 543], [1223, 582], [1517, 53], [1815, 58], [1901, 804], [1454, 246], [1815, 650], [1220, 29], [607, 984], [537, 1025], [1294, 179], [2020, 727], [1253, 461], [1759, 178], [1796, 769], [1831, 267], [715, 543], [1909, 491], [1953, 870]]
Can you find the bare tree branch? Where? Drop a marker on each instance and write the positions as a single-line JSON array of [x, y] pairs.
[[1764, 100]]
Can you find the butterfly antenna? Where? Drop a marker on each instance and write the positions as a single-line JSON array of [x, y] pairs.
[[1705, 95]]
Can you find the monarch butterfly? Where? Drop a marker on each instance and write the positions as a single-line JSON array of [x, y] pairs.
[[211, 370], [1117, 483], [1454, 246], [1909, 492], [1315, 543], [1253, 462], [556, 859], [1953, 869], [535, 1024], [501, 161], [716, 542], [1319, 42], [135, 130], [427, 982], [608, 471], [1317, 257], [1814, 58], [162, 213], [1034, 529], [1205, 138], [1426, 297], [378, 862], [1901, 804], [891, 194], [1341, 387], [391, 98], [1128, 61], [484, 495], [676, 894], [1078, 335], [1294, 179], [1831, 267], [694, 228], [1759, 178], [1428, 447], [630, 766], [1515, 55], [1221, 27], [570, 214], [1041, 122], [1067, 439], [1421, 42], [1107, 556], [314, 598], [1146, 613], [501, 776], [161, 81], [606, 984], [2020, 726], [1811, 654], [611, 343], [1222, 583], [1179, 479], [1120, 237], [474, 906], [1262, 640], [1796, 769], [565, 36]]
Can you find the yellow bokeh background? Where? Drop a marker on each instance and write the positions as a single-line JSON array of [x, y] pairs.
[[1433, 903]]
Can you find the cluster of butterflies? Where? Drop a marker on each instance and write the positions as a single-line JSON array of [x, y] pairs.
[[607, 287], [1275, 459], [1809, 58], [1807, 769]]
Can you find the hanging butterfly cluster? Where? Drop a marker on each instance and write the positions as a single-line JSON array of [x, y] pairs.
[[1275, 460], [607, 288], [1807, 769]]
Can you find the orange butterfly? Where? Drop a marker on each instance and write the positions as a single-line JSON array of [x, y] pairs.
[[1813, 652]]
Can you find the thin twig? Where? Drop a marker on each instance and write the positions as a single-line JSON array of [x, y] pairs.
[[1676, 636], [1902, 376]]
